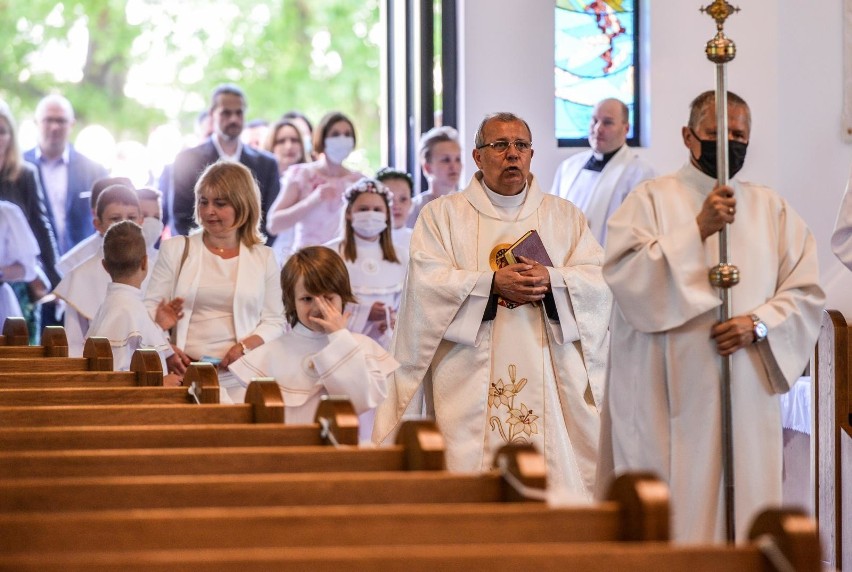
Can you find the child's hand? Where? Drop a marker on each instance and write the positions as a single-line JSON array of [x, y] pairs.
[[167, 317], [377, 312], [178, 361], [172, 380], [331, 319]]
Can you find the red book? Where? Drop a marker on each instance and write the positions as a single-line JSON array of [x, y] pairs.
[[529, 246]]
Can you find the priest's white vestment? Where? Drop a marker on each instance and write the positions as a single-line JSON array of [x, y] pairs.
[[662, 402], [599, 194], [841, 239], [475, 373]]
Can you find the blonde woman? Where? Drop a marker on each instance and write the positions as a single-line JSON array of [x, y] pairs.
[[222, 278]]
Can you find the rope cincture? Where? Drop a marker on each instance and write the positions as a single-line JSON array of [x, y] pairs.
[[326, 432], [195, 392], [769, 548], [520, 488]]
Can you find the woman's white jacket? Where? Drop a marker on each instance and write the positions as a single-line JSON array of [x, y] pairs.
[[258, 307]]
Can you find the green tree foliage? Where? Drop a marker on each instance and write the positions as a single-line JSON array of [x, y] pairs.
[[131, 65]]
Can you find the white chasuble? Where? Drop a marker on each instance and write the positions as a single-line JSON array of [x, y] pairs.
[[521, 376]]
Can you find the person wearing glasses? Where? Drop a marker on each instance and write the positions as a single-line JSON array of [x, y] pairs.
[[599, 179], [497, 352]]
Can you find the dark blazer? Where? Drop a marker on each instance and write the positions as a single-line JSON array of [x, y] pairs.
[[189, 165], [27, 194], [82, 172]]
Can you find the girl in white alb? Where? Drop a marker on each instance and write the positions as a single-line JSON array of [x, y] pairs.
[[319, 356], [376, 268]]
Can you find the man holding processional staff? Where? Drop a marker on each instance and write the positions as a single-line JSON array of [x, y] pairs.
[[662, 408]]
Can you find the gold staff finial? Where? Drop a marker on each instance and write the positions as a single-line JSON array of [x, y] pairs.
[[720, 49]]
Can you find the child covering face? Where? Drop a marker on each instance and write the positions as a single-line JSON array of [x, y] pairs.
[[319, 356]]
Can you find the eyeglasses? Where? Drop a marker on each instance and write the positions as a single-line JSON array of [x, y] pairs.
[[503, 146]]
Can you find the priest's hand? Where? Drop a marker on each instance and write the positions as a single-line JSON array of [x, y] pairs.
[[718, 209], [538, 270], [521, 283], [732, 335]]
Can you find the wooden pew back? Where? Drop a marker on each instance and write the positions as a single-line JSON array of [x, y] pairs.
[[832, 451], [15, 337]]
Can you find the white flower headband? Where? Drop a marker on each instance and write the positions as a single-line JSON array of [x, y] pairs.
[[367, 185]]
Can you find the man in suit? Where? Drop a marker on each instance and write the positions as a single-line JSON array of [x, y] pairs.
[[227, 109], [66, 175]]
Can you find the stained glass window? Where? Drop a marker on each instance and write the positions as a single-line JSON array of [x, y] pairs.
[[596, 56]]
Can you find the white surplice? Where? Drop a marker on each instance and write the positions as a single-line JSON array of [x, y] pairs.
[[307, 365], [84, 289], [599, 194], [464, 364], [663, 403], [841, 239], [124, 321]]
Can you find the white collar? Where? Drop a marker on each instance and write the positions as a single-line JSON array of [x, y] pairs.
[[504, 201], [222, 155]]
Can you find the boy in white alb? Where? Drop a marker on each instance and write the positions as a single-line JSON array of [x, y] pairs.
[[122, 318], [83, 289], [319, 356]]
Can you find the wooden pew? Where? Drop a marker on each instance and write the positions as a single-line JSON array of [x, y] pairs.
[[145, 370], [339, 418], [15, 332], [263, 405], [15, 339], [201, 384], [636, 511], [524, 465], [832, 449], [423, 449], [97, 356], [547, 539]]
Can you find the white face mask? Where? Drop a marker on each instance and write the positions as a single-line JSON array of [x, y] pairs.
[[152, 228], [338, 148], [369, 224]]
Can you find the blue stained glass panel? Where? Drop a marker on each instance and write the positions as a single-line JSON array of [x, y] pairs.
[[595, 57]]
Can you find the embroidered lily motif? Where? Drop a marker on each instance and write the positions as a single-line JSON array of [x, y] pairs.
[[523, 420], [520, 422]]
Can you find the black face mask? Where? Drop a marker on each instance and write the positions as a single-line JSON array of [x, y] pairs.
[[707, 161]]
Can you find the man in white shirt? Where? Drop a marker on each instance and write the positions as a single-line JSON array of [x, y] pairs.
[[597, 180], [66, 175], [227, 108]]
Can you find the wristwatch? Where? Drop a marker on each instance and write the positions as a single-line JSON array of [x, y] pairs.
[[760, 329]]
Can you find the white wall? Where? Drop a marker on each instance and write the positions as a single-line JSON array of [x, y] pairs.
[[788, 67]]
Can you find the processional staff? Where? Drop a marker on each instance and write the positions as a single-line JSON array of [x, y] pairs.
[[720, 50]]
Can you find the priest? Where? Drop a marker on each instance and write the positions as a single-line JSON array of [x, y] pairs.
[[598, 180], [841, 238], [663, 411], [497, 352]]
